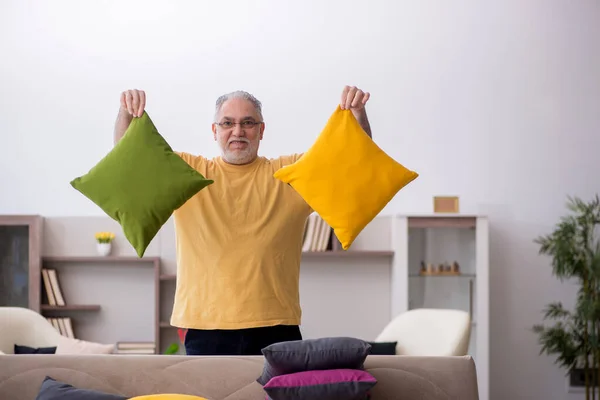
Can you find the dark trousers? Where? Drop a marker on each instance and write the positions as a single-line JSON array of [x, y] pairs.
[[239, 342]]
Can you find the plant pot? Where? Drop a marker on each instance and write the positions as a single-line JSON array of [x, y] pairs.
[[103, 249]]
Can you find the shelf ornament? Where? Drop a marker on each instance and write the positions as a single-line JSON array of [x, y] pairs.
[[104, 242]]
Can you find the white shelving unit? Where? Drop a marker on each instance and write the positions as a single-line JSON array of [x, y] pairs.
[[440, 239]]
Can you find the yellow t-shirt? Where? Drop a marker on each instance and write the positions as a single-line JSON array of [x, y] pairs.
[[239, 245]]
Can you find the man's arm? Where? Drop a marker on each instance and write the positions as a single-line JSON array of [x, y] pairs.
[[363, 120], [122, 123], [354, 99]]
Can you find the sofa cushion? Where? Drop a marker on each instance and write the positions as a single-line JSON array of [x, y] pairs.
[[20, 349], [52, 389], [313, 354], [140, 183], [332, 384]]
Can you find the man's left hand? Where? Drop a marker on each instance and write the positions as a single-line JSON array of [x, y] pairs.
[[354, 99]]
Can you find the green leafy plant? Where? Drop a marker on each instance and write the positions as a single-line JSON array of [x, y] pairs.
[[574, 336]]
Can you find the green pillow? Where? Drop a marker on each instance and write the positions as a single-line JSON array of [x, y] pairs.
[[140, 182]]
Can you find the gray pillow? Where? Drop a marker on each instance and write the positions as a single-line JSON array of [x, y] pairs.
[[55, 390], [313, 354]]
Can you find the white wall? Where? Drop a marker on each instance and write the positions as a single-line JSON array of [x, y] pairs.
[[495, 102]]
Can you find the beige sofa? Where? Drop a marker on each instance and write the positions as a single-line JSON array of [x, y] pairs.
[[224, 378]]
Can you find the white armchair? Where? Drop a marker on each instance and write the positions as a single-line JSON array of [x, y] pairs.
[[429, 332], [25, 327]]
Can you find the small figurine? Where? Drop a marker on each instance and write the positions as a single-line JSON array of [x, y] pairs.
[[455, 267], [430, 268]]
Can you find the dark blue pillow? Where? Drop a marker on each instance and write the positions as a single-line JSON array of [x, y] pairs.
[[20, 349], [383, 348], [55, 390]]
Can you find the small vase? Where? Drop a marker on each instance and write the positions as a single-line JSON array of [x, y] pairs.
[[103, 249]]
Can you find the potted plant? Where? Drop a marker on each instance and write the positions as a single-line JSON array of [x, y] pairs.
[[104, 242], [574, 249]]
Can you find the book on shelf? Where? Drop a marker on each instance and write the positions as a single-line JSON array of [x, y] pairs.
[[135, 348], [318, 235], [52, 288], [63, 325]]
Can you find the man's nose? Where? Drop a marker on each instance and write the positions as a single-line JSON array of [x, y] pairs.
[[237, 130]]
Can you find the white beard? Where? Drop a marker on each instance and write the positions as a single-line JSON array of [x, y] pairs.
[[239, 157]]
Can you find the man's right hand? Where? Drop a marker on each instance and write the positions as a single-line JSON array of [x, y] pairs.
[[133, 102]]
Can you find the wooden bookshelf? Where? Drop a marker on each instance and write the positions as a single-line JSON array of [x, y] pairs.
[[71, 307], [442, 275], [439, 240], [167, 277], [322, 254], [347, 254], [442, 221], [55, 262], [99, 259]]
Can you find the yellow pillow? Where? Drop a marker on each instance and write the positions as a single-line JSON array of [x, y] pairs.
[[168, 397], [345, 177]]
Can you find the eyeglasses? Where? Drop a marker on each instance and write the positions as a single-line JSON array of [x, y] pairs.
[[248, 124]]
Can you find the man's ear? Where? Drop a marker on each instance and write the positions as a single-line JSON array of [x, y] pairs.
[[262, 130], [214, 129]]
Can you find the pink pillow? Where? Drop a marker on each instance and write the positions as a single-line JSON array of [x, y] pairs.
[[331, 384]]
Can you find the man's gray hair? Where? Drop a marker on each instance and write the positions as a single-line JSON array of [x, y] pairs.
[[238, 94]]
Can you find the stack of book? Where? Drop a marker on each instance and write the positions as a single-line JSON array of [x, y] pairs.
[[63, 325], [136, 348], [317, 235], [53, 292]]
